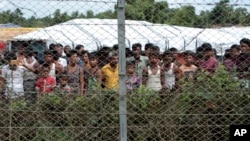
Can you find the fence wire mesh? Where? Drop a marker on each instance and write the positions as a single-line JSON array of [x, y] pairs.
[[187, 69]]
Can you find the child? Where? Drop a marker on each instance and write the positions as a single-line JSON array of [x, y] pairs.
[[132, 81], [152, 76], [94, 75], [46, 83], [13, 74], [170, 70], [63, 86], [188, 69]]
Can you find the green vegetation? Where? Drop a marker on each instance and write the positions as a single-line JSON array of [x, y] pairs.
[[223, 14], [202, 110]]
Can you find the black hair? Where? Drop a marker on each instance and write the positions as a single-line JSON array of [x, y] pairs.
[[135, 45], [79, 47], [173, 49], [56, 55], [115, 47], [189, 53], [59, 45], [29, 51], [84, 52], [246, 41], [148, 45], [130, 63], [227, 54], [93, 56], [49, 52], [165, 53], [46, 65], [154, 53], [206, 47], [10, 56], [235, 46], [52, 46], [72, 52]]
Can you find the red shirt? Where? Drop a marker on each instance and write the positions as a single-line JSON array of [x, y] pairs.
[[46, 84], [210, 65]]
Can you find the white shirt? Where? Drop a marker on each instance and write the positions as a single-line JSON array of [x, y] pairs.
[[62, 61], [14, 81], [154, 80]]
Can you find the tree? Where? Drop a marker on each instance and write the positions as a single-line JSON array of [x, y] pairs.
[[221, 13], [109, 14], [147, 10], [90, 14], [184, 16]]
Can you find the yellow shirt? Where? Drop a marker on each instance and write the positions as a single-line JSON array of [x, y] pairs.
[[111, 77]]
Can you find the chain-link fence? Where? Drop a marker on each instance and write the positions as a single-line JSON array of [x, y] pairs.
[[139, 70]]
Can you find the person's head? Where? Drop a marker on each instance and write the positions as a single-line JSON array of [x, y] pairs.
[[153, 58], [167, 57], [79, 48], [235, 50], [66, 49], [45, 70], [22, 47], [115, 47], [85, 56], [28, 52], [49, 56], [245, 45], [174, 52], [59, 48], [56, 56], [199, 50], [198, 57], [206, 50], [63, 79], [148, 48], [93, 60], [130, 68], [136, 48], [51, 46], [188, 57], [227, 54], [113, 58], [156, 49], [73, 56], [11, 59]]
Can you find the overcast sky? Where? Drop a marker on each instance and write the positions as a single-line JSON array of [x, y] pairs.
[[41, 8]]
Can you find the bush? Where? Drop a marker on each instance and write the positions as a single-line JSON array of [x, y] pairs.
[[197, 112]]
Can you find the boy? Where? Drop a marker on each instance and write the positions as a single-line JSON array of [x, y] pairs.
[[46, 83], [13, 74], [188, 69], [132, 80], [94, 75], [63, 87], [152, 75]]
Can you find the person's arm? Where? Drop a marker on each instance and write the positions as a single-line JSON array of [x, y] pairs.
[[82, 91], [99, 76], [144, 76], [163, 78], [177, 72]]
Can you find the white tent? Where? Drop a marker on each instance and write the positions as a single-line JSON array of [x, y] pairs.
[[95, 33]]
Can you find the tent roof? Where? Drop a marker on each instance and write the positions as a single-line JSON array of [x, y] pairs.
[[94, 33]]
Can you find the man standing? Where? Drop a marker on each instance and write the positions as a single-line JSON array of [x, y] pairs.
[[110, 72], [139, 60]]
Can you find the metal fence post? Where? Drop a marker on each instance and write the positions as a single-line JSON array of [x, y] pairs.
[[122, 70]]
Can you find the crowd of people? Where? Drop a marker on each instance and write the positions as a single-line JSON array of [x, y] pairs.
[[80, 72]]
